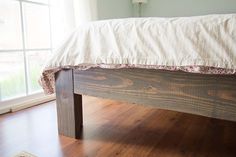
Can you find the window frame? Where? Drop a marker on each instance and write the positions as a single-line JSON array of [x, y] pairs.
[[24, 50]]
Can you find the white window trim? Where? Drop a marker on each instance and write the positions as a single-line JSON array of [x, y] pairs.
[[25, 102], [30, 99]]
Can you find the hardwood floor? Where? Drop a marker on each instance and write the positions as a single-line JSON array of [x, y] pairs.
[[113, 128]]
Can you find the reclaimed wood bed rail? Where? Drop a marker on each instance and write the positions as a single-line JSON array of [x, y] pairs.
[[206, 95]]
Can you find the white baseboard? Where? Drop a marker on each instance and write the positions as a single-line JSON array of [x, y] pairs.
[[20, 104], [4, 110], [33, 102]]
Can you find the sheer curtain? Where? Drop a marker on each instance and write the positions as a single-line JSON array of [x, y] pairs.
[[67, 14], [62, 20], [85, 11]]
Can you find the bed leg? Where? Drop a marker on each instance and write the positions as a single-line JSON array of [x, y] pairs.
[[69, 106]]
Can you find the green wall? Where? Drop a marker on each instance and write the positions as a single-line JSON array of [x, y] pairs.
[[166, 8], [188, 7], [108, 9]]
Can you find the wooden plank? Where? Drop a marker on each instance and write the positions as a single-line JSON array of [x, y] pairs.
[[207, 95], [114, 129], [69, 105]]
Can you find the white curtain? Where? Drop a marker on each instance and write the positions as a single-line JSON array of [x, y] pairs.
[[62, 20], [67, 14], [85, 11]]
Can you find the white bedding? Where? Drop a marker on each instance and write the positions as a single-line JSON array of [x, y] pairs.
[[202, 41]]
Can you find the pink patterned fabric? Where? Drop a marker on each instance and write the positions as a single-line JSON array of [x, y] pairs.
[[47, 79]]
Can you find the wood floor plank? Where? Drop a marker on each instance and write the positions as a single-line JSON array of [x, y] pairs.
[[112, 128], [150, 136]]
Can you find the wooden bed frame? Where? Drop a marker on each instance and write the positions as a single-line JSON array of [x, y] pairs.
[[206, 95]]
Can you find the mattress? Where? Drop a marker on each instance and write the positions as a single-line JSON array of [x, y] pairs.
[[200, 44]]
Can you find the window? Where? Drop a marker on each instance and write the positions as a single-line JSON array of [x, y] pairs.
[[25, 42]]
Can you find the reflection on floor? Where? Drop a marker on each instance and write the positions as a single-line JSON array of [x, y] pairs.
[[114, 128]]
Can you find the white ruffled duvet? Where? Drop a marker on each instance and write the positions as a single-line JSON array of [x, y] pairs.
[[201, 41]]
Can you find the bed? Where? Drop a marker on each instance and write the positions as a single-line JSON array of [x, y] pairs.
[[183, 64]]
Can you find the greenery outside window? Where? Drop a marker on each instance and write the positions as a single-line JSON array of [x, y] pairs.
[[25, 43]]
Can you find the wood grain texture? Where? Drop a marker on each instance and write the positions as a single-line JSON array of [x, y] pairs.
[[69, 105], [207, 95], [116, 129]]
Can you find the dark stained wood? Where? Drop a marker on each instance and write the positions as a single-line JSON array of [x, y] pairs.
[[119, 129], [69, 105], [207, 95]]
